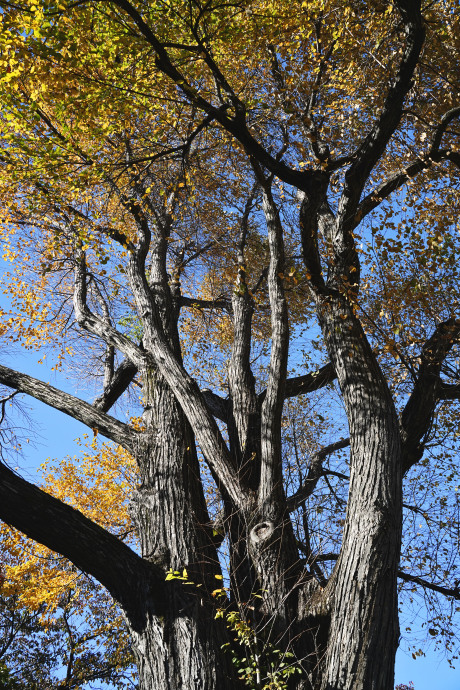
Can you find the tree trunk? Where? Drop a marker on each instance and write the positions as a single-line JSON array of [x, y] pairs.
[[364, 624], [180, 649]]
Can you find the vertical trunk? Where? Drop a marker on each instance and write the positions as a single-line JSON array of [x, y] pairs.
[[179, 647], [243, 434], [364, 624]]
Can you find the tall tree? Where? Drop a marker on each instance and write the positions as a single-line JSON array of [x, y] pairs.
[[240, 170]]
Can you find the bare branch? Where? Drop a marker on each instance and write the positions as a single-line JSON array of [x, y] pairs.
[[95, 325], [120, 381], [308, 383], [447, 591], [73, 407], [218, 303], [449, 391]]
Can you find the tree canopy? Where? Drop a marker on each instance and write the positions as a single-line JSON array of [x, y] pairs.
[[235, 227]]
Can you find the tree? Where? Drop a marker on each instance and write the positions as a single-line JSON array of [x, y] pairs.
[[242, 170]]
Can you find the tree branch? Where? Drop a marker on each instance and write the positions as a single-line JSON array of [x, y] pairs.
[[68, 532], [308, 383], [373, 146], [183, 385], [447, 591], [315, 472], [272, 406], [418, 413], [218, 303], [236, 125], [244, 421], [95, 325], [121, 379], [449, 391], [433, 155], [73, 407], [217, 406], [441, 128]]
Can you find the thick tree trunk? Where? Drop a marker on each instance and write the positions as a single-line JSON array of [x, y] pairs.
[[364, 623], [181, 646]]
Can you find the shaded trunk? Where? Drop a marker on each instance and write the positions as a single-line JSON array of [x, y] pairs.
[[179, 645], [364, 619]]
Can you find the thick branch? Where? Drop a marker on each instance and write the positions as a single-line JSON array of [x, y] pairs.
[[74, 407], [307, 383], [393, 183], [218, 303], [418, 413], [66, 531], [217, 406], [123, 376], [449, 391], [272, 407], [244, 422], [308, 222]]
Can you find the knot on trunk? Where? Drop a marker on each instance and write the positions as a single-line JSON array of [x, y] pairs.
[[262, 531]]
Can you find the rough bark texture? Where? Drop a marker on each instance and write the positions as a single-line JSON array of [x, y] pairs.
[[182, 649]]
